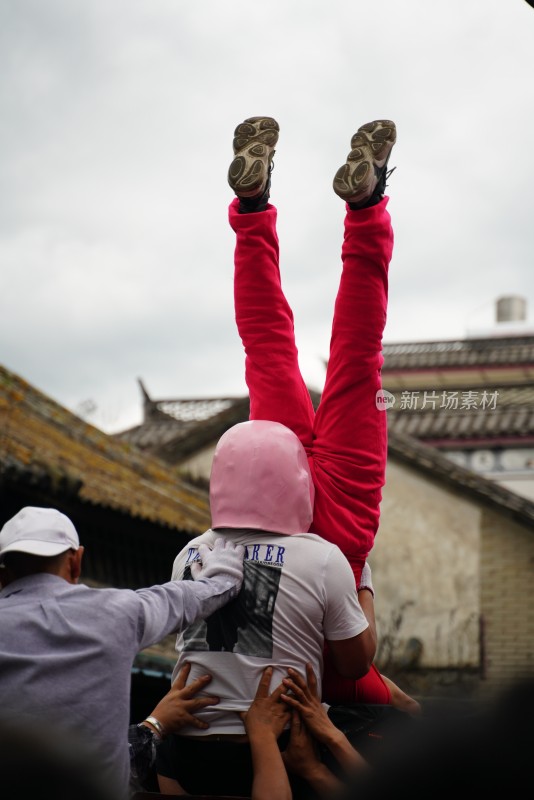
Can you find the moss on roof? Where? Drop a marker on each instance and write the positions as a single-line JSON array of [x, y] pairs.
[[40, 437]]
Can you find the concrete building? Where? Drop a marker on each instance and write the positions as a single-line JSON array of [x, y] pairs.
[[454, 556]]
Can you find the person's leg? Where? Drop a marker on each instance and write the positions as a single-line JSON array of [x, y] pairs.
[[350, 446], [264, 318], [277, 391], [350, 430]]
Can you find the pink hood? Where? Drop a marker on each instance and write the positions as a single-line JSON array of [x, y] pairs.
[[260, 479]]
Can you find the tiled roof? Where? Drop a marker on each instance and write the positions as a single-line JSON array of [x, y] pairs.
[[39, 437], [488, 351], [444, 390], [438, 467], [497, 415], [401, 446], [173, 438], [491, 415], [174, 429]]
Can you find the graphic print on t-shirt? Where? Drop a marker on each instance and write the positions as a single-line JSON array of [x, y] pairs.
[[245, 624]]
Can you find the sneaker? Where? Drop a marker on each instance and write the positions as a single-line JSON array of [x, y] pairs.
[[361, 182], [254, 143]]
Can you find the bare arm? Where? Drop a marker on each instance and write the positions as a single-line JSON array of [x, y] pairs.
[[302, 758], [367, 603], [353, 657], [177, 707], [304, 699], [401, 700], [264, 722]]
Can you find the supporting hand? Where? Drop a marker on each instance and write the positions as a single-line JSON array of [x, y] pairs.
[[264, 721], [305, 700], [178, 707], [267, 713]]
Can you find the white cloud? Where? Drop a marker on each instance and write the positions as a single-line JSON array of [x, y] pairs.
[[115, 253]]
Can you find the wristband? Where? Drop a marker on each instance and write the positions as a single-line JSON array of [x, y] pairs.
[[156, 724], [366, 581]]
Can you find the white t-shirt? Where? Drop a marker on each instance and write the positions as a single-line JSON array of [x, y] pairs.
[[297, 591]]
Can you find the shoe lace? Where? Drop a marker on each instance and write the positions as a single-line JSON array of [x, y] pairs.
[[381, 185], [379, 191], [383, 182], [388, 174]]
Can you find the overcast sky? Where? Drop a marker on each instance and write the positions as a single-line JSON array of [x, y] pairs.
[[115, 140]]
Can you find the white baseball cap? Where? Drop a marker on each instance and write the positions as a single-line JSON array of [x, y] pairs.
[[38, 531]]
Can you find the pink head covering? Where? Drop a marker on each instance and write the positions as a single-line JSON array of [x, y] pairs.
[[260, 479]]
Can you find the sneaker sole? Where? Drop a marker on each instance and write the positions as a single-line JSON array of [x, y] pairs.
[[254, 143], [371, 147]]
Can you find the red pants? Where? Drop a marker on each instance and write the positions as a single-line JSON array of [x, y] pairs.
[[346, 439]]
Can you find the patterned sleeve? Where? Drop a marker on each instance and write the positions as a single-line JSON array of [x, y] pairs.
[[142, 746]]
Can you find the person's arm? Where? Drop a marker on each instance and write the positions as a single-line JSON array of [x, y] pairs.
[[353, 657], [142, 749], [174, 710], [302, 758], [366, 597], [351, 639], [178, 706], [171, 607], [169, 785], [303, 697], [264, 721], [401, 700]]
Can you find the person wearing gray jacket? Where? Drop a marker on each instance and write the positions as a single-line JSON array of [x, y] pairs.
[[66, 650]]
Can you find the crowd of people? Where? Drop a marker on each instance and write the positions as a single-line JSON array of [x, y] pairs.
[[275, 693]]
